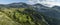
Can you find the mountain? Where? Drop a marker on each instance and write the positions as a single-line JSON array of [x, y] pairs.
[[57, 7], [48, 11], [52, 13], [15, 5], [18, 5], [39, 6], [22, 14]]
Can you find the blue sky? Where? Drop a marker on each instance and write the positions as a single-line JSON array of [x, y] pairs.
[[11, 1]]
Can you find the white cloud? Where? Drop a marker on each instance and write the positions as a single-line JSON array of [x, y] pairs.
[[33, 1], [48, 2]]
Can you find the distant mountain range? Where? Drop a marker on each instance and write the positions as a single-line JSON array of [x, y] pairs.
[[31, 14], [48, 11]]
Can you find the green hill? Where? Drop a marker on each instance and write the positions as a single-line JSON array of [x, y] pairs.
[[21, 16]]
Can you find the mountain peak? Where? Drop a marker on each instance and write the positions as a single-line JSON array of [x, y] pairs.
[[56, 7]]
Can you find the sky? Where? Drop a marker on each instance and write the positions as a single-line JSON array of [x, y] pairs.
[[11, 1], [45, 2]]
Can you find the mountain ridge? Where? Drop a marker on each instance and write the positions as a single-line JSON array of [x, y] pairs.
[[36, 14]]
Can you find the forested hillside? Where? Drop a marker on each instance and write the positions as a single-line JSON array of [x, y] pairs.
[[21, 16], [26, 14]]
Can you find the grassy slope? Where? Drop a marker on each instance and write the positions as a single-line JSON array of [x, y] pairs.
[[21, 16]]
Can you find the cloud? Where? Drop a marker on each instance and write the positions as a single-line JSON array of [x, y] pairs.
[[48, 2], [52, 2], [33, 1]]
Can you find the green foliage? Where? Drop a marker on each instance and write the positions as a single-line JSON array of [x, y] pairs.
[[22, 16]]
